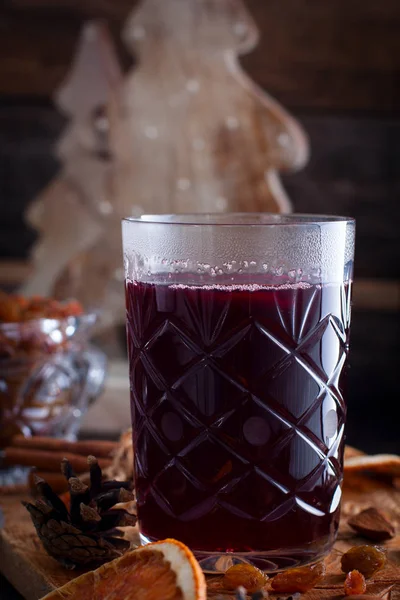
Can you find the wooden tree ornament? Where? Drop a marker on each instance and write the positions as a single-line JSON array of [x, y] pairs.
[[186, 131], [72, 212], [203, 136]]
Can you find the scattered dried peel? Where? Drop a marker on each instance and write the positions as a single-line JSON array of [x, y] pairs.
[[14, 308]]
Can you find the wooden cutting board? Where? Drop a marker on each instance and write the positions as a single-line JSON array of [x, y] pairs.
[[33, 573]]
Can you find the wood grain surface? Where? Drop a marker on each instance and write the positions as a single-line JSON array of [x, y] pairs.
[[343, 54], [33, 573]]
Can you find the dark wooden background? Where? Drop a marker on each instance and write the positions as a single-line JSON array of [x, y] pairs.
[[342, 55], [334, 64]]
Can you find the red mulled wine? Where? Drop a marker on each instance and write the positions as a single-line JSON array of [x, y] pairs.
[[238, 414]]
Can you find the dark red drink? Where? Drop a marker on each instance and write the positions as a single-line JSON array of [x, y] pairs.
[[238, 414]]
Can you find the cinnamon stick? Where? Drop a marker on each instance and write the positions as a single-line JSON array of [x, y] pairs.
[[99, 448], [16, 489], [47, 460]]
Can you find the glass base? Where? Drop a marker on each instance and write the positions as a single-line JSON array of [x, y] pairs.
[[270, 561]]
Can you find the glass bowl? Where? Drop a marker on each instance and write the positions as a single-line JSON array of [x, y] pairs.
[[49, 374]]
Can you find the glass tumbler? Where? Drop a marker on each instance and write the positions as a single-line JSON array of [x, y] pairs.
[[238, 331]]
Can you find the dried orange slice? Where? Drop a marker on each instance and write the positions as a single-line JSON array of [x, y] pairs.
[[165, 570]]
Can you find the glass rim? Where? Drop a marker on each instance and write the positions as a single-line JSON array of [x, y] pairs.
[[238, 219]]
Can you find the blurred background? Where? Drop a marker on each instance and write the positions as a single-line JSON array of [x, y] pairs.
[[335, 66]]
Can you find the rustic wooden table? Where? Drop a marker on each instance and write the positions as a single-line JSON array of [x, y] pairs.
[[21, 551]]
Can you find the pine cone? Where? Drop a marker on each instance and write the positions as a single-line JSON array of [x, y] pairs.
[[87, 534]]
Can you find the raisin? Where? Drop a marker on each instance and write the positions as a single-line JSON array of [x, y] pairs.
[[300, 579], [247, 576], [354, 583], [366, 559]]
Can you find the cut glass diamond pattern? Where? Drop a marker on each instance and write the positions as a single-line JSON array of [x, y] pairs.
[[283, 391], [324, 422], [294, 329], [208, 320], [196, 376], [233, 430], [183, 353], [145, 389], [176, 428], [254, 354], [212, 362], [318, 489], [155, 455], [185, 498], [325, 350], [216, 394], [213, 475], [256, 496], [139, 312], [302, 456]]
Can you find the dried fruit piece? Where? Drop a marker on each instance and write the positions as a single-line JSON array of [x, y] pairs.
[[366, 559], [371, 524], [354, 583], [164, 570], [300, 579], [246, 576], [15, 308]]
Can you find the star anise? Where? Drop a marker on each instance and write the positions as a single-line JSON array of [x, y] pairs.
[[86, 534]]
